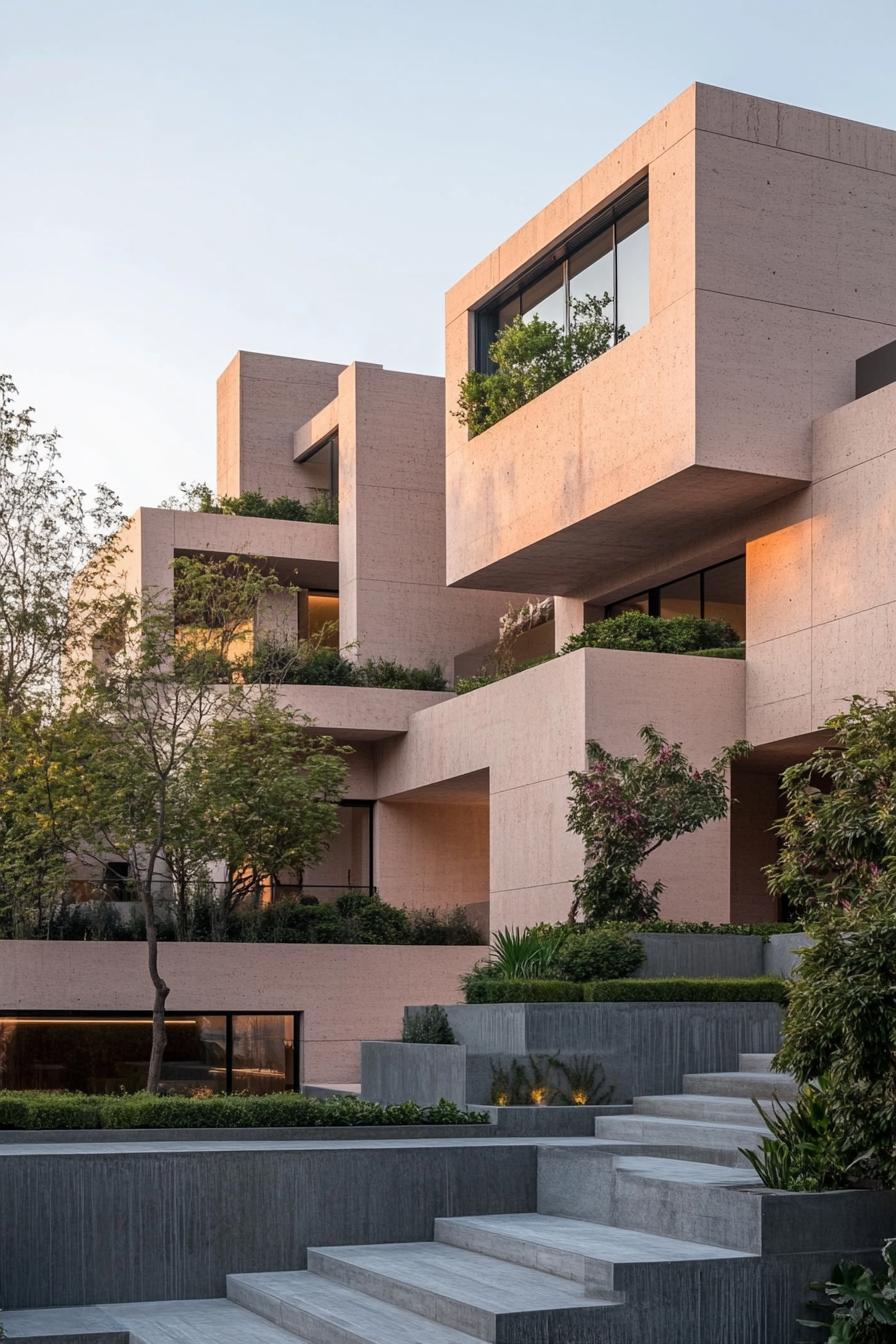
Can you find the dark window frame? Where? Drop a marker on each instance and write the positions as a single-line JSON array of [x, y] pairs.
[[654, 593], [118, 1014], [486, 316]]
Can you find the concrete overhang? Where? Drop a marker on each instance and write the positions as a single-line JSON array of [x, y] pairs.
[[358, 713]]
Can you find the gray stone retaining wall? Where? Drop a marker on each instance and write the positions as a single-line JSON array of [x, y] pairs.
[[128, 1222], [719, 954]]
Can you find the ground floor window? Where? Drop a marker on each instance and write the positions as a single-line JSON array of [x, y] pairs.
[[109, 1052]]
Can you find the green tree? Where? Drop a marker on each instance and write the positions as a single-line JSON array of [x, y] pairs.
[[268, 790], [143, 728], [624, 808], [58, 558], [531, 356], [838, 834]]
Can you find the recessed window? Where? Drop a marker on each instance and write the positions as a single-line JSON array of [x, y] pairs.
[[718, 593], [323, 618], [608, 257]]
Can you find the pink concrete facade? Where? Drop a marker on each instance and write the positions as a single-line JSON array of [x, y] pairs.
[[725, 426], [345, 994]]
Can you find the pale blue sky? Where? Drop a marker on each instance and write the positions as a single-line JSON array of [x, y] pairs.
[[182, 178]]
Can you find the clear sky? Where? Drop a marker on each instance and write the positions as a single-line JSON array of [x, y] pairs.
[[183, 178]]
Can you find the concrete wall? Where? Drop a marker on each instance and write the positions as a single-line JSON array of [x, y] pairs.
[[707, 411], [262, 399], [346, 993], [645, 1048], [821, 579], [701, 954], [151, 1222], [432, 854], [396, 1071], [393, 598], [528, 731]]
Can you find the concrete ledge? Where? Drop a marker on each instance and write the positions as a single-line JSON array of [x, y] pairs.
[[551, 1121], [286, 1134]]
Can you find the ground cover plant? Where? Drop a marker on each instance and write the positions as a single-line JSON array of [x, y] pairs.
[[143, 1110], [637, 631]]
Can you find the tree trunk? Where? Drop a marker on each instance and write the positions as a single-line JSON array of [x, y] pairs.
[[159, 1034]]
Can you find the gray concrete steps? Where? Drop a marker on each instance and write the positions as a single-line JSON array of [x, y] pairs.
[[755, 1063], [754, 1084], [198, 1322], [490, 1299], [676, 1131], [698, 1106], [324, 1311], [595, 1254]]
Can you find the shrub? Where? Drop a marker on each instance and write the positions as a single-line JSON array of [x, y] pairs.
[[427, 1026], [493, 989], [802, 1153], [637, 631], [739, 652], [841, 1022], [690, 926], [289, 921], [322, 508], [531, 356], [624, 808], [527, 954], [758, 989], [543, 1080], [861, 1306], [597, 954], [141, 1110], [368, 919], [443, 928], [383, 672]]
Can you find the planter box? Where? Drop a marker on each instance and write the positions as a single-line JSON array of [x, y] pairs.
[[730, 955], [286, 1134], [395, 1071], [645, 1048]]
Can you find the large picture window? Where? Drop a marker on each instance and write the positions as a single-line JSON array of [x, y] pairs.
[[608, 256], [109, 1052], [717, 593]]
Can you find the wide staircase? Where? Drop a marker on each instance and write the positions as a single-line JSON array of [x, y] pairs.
[[642, 1235]]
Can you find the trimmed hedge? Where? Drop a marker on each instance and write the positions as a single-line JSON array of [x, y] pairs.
[[740, 653], [140, 1110], [492, 989], [690, 926], [758, 989]]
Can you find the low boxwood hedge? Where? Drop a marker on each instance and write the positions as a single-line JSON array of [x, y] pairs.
[[758, 989], [492, 989], [140, 1110]]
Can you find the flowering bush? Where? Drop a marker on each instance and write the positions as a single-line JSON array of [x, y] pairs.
[[624, 808]]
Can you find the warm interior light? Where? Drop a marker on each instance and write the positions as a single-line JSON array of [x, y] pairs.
[[93, 1021]]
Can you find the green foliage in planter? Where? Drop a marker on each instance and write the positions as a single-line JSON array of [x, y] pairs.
[[370, 920], [322, 508], [597, 954], [526, 954], [427, 1026], [531, 356], [355, 917], [738, 653], [312, 663], [442, 928], [288, 921], [841, 1022], [758, 989], [543, 1080], [802, 1152], [140, 1110], [625, 807], [690, 926], [861, 1304], [637, 631], [492, 989], [463, 685]]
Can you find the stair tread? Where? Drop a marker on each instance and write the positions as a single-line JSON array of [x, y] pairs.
[[197, 1321], [597, 1240], [754, 1075], [750, 1121], [350, 1309], [678, 1171], [465, 1276]]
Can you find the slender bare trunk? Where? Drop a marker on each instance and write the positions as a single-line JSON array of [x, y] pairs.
[[159, 1034]]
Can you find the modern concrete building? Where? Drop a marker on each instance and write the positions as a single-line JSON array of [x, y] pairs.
[[733, 456]]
